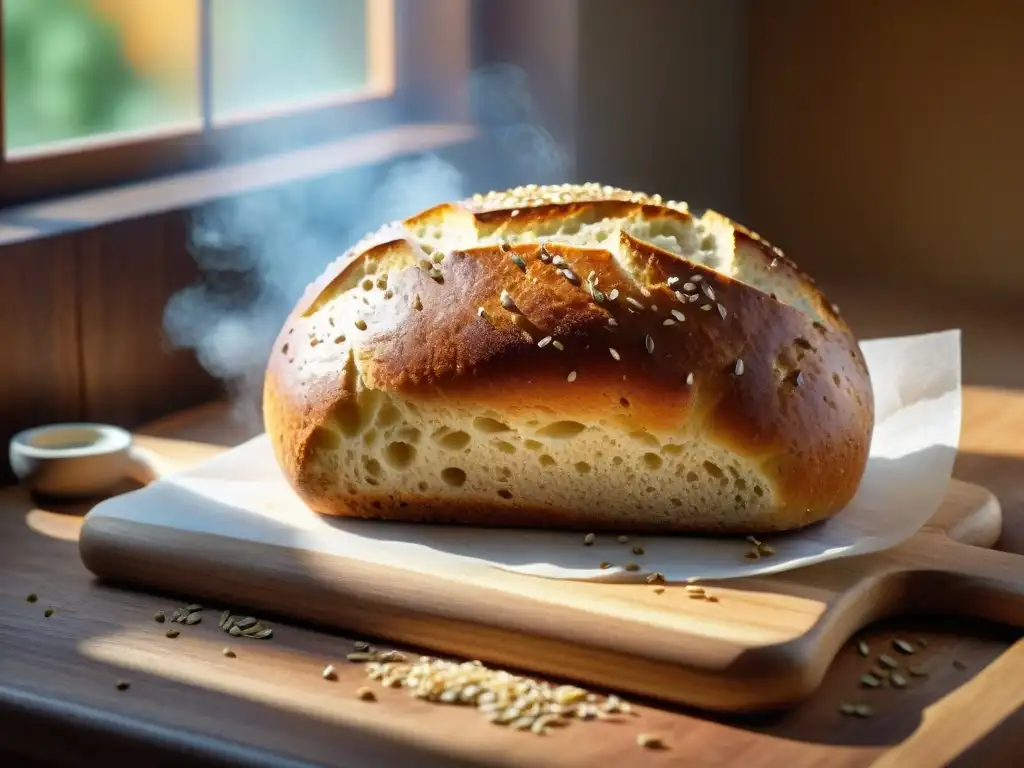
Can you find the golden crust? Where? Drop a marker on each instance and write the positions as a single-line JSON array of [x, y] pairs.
[[785, 389]]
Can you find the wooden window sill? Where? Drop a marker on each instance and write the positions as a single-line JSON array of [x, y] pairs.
[[187, 190]]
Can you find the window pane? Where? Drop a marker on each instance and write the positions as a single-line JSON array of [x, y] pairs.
[[270, 52], [82, 68]]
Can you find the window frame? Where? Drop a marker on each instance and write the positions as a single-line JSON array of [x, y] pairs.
[[414, 78]]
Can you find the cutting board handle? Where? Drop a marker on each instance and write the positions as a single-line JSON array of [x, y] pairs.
[[972, 581]]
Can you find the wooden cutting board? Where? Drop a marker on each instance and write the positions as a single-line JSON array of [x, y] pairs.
[[764, 643]]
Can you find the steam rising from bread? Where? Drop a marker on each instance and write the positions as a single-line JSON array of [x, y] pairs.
[[258, 251]]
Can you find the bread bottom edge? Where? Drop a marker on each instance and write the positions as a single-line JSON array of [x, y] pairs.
[[476, 513]]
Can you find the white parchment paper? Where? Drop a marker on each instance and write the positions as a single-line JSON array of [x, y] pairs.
[[243, 495]]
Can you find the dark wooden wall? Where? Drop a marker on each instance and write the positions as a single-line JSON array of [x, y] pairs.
[[81, 318]]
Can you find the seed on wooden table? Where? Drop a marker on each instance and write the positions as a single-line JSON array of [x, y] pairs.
[[193, 618], [847, 709], [234, 631], [229, 653], [258, 633], [903, 646], [631, 567], [32, 597], [172, 633], [159, 617], [245, 623], [870, 681], [695, 589], [193, 607], [650, 741], [588, 540], [329, 673], [225, 617], [916, 670], [390, 656], [638, 550], [361, 645], [863, 710], [622, 539], [360, 656], [887, 661], [959, 664], [862, 648], [898, 680], [657, 576], [711, 598], [658, 590], [605, 565], [366, 694], [123, 685], [48, 612]]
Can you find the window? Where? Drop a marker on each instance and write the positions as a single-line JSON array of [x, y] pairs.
[[99, 92]]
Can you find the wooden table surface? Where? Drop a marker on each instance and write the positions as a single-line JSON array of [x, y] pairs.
[[59, 701]]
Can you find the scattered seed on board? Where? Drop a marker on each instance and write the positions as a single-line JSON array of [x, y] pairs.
[[159, 617], [638, 550], [862, 648], [571, 377], [614, 353], [903, 646], [656, 577], [33, 597], [916, 670], [649, 344], [863, 710], [658, 590], [329, 673], [738, 367], [870, 681], [631, 567], [689, 379], [622, 539], [847, 709], [123, 685], [588, 540], [229, 653], [172, 633], [898, 680], [361, 656], [193, 618], [361, 645], [48, 612], [695, 589], [650, 741], [605, 565], [558, 345]]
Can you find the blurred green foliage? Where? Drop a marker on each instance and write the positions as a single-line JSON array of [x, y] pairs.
[[64, 73]]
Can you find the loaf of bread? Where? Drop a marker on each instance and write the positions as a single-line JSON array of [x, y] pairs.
[[578, 357]]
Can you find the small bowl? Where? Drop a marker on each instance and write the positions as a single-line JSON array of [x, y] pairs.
[[74, 460]]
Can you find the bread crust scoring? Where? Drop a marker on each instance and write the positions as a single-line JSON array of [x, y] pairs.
[[728, 395]]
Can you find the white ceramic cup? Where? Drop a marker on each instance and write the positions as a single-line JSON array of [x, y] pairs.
[[77, 460]]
